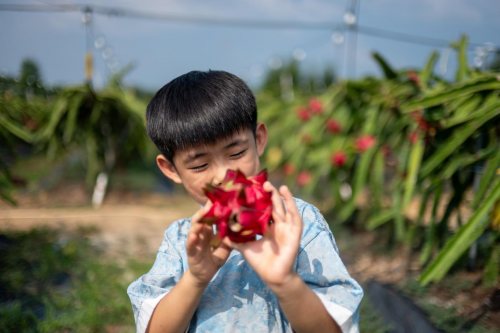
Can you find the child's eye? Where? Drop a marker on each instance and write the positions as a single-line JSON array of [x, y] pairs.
[[239, 154], [199, 167]]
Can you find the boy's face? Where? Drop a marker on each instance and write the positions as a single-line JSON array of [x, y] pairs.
[[198, 166]]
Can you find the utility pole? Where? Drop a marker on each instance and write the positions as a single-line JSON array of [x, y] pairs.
[[89, 66], [351, 20]]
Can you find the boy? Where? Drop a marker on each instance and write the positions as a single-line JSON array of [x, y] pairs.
[[204, 123]]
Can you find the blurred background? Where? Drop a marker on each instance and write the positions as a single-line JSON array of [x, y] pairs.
[[394, 108]]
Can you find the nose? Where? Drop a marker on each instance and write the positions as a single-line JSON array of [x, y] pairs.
[[219, 176]]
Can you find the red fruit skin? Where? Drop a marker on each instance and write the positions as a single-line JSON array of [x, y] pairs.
[[339, 158], [413, 137], [304, 178], [303, 114], [241, 207], [289, 169], [364, 142], [333, 126], [315, 106]]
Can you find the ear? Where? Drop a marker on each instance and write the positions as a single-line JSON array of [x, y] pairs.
[[168, 169], [261, 137]]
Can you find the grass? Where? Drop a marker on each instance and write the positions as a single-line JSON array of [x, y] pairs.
[[58, 282]]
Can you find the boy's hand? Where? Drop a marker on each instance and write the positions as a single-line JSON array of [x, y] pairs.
[[272, 257], [203, 260]]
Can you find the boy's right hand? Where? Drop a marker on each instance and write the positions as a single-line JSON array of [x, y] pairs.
[[203, 260]]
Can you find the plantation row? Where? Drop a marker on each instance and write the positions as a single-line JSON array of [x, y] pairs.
[[377, 147]]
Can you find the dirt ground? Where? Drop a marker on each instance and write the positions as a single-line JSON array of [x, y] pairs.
[[129, 223]]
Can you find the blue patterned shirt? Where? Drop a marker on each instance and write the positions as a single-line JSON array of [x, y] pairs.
[[236, 299]]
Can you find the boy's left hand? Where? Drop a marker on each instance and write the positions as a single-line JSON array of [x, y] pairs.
[[273, 256]]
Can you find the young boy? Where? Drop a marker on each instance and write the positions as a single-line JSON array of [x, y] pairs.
[[205, 123]]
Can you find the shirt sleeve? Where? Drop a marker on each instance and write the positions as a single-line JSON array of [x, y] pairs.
[[148, 290], [320, 267]]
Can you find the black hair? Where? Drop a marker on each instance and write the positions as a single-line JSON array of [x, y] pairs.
[[199, 108]]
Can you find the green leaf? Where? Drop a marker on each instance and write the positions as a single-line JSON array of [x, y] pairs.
[[360, 177], [381, 218], [411, 177], [429, 66], [386, 68], [461, 241], [490, 277], [15, 129], [430, 240], [60, 108], [71, 119], [474, 112], [486, 179], [447, 96], [92, 159], [377, 178], [463, 69], [362, 168], [463, 160], [371, 120], [458, 137], [468, 106]]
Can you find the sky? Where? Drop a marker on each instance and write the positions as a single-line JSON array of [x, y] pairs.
[[162, 50]]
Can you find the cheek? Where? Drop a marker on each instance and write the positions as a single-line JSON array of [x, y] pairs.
[[250, 164]]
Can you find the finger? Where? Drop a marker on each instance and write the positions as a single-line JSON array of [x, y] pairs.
[[196, 226], [191, 244], [292, 213], [206, 235], [278, 209], [221, 253], [201, 212]]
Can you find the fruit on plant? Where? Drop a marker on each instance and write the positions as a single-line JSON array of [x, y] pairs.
[[304, 178], [413, 137], [303, 114], [339, 158], [241, 207], [289, 169], [315, 106], [364, 142], [333, 126]]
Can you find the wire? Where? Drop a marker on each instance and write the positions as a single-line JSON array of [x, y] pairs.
[[408, 38], [112, 11], [257, 24]]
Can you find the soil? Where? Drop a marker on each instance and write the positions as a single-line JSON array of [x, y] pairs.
[[129, 223]]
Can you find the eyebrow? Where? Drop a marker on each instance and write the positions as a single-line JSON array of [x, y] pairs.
[[236, 142]]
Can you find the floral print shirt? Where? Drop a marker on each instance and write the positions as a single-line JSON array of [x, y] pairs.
[[236, 299]]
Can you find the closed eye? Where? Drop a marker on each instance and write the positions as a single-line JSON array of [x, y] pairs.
[[199, 167], [239, 154]]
